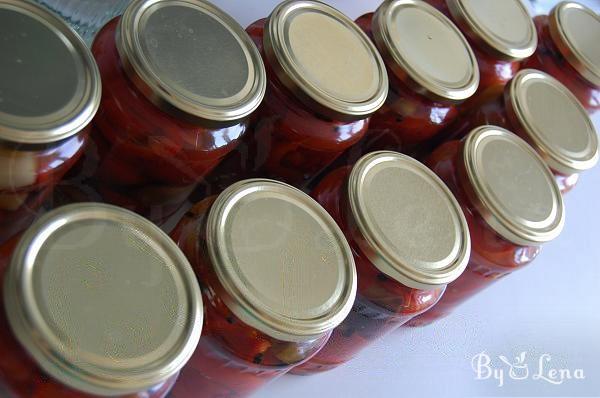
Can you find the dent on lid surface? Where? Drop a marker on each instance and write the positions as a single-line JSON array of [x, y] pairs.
[[415, 229], [555, 122], [190, 57], [103, 300], [512, 188], [284, 263], [420, 43], [575, 30], [323, 57], [503, 26], [50, 86]]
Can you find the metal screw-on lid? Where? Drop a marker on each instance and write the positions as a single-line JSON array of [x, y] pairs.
[[103, 300], [284, 264], [412, 227], [575, 30], [511, 187], [50, 85], [553, 121], [503, 27], [191, 59], [325, 59], [425, 49]]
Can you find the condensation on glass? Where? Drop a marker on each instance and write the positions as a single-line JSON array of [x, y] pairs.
[[49, 92], [276, 276], [96, 301], [409, 239]]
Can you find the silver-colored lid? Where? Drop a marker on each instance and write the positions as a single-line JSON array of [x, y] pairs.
[[411, 226], [511, 186], [191, 59], [284, 264], [325, 59], [553, 121], [103, 300], [50, 85], [503, 27], [575, 29], [425, 49]]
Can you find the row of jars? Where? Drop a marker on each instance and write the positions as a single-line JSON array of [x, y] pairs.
[[286, 282]]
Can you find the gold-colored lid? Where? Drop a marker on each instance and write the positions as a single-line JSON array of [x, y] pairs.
[[411, 226], [503, 27], [511, 187], [103, 300], [50, 85], [284, 264], [191, 59], [575, 30], [325, 59], [554, 122], [425, 49]]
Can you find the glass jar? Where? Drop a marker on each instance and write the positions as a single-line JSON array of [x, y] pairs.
[[568, 51], [547, 115], [501, 34], [409, 239], [276, 276], [86, 16], [96, 301], [46, 104], [163, 125], [325, 79], [510, 200], [431, 69]]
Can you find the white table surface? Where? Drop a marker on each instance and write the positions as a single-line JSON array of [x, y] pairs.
[[551, 307]]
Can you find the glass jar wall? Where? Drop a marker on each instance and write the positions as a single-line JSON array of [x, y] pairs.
[[95, 301], [276, 276], [408, 237], [511, 202]]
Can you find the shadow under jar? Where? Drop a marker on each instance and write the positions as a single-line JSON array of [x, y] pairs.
[[510, 200], [431, 69], [501, 34], [49, 92], [568, 50], [325, 78], [547, 115], [180, 81], [96, 301], [409, 239], [276, 276]]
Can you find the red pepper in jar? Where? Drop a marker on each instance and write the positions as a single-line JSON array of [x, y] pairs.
[[501, 34], [325, 79], [408, 237], [547, 115], [276, 276], [432, 70], [568, 51], [180, 82], [510, 200], [95, 301], [46, 104]]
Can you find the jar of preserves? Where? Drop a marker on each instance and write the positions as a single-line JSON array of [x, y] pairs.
[[46, 104], [501, 34], [568, 51], [96, 301], [510, 200], [431, 67], [409, 239], [325, 78], [547, 115], [180, 81], [276, 276]]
